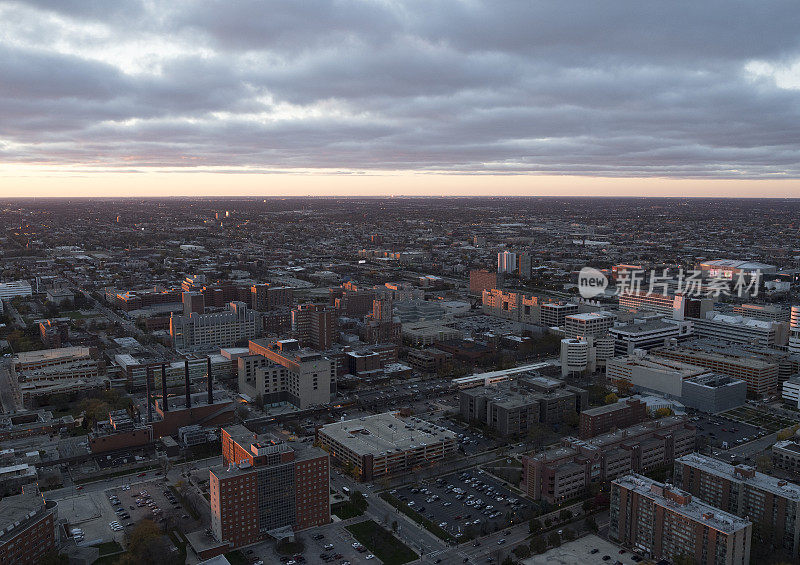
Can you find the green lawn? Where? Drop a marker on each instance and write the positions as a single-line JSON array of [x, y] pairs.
[[345, 510], [236, 558], [382, 543]]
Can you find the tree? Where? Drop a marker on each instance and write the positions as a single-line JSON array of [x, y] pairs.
[[522, 551], [538, 545], [587, 505], [536, 434], [683, 559], [554, 539], [611, 398], [591, 523], [572, 419], [569, 535], [534, 526], [624, 388], [663, 411], [565, 515], [357, 499]]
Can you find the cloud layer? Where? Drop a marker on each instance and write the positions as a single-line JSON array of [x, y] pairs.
[[679, 89]]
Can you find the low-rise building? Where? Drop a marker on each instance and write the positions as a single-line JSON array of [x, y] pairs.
[[621, 414], [27, 527], [786, 455], [386, 444]]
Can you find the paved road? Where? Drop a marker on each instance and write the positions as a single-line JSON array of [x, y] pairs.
[[8, 400]]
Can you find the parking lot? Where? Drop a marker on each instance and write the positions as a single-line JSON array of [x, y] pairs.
[[470, 440], [337, 544], [151, 500], [470, 503], [724, 432], [771, 421]]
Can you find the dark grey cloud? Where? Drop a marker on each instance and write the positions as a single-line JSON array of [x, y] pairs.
[[592, 88]]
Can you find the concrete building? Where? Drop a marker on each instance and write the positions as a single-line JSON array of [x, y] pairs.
[[622, 414], [430, 361], [588, 324], [566, 472], [732, 268], [27, 527], [429, 332], [646, 334], [661, 521], [527, 309], [59, 296], [737, 329], [786, 455], [794, 330], [386, 444], [283, 372], [675, 306], [265, 297], [652, 374], [768, 502], [506, 262], [193, 303], [713, 393], [14, 289], [14, 477], [585, 355], [264, 486], [760, 373], [513, 407], [766, 312], [216, 329], [314, 325], [790, 392]]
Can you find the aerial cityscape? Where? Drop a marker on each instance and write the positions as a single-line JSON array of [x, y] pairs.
[[388, 282]]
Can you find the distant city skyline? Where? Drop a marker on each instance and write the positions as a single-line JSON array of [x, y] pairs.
[[379, 98]]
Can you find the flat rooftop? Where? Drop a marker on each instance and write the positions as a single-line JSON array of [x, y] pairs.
[[50, 354], [383, 433], [694, 509], [760, 480]]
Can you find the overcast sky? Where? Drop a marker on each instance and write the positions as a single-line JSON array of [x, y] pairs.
[[697, 90]]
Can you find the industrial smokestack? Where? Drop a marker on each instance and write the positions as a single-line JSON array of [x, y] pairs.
[[209, 382], [188, 384], [148, 392], [164, 403]]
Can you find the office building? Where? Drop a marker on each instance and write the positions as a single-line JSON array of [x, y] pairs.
[[313, 325], [768, 502], [786, 455], [646, 334], [652, 373], [790, 391], [430, 361], [585, 355], [513, 407], [766, 312], [265, 486], [566, 472], [480, 280], [713, 393], [661, 521], [215, 330], [588, 324], [737, 329], [284, 372], [760, 374], [27, 527], [622, 414], [675, 306], [265, 297], [386, 444], [193, 303]]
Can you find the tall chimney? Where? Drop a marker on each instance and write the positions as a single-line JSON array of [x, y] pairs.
[[188, 383], [149, 392], [164, 403], [209, 382]]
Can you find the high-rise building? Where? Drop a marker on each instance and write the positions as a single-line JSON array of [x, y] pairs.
[[193, 303], [770, 503], [588, 324], [216, 329], [265, 297], [794, 330], [506, 262], [481, 280], [314, 325], [266, 485], [661, 521]]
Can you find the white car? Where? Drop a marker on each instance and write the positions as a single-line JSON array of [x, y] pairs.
[[370, 556]]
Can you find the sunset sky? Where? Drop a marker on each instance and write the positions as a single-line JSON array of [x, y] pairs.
[[358, 97]]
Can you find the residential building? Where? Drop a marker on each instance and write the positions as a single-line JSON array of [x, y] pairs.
[[566, 472], [622, 414], [770, 503], [786, 455], [265, 297], [54, 332], [27, 527], [386, 444], [527, 309], [506, 262], [265, 485], [481, 280], [314, 325], [216, 329], [661, 521]]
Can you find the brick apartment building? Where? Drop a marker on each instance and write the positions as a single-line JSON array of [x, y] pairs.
[[27, 527], [266, 485], [626, 412]]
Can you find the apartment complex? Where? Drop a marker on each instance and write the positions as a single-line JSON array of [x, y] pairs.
[[265, 485], [664, 522], [480, 280], [27, 527], [621, 414], [770, 503], [566, 472], [216, 329], [386, 444], [512, 407], [284, 372]]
